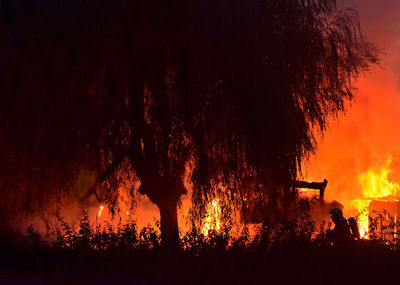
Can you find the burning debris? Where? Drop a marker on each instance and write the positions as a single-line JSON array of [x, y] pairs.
[[305, 186], [378, 193]]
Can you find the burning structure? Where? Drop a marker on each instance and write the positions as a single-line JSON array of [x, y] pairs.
[[378, 194], [305, 186], [379, 200], [303, 191]]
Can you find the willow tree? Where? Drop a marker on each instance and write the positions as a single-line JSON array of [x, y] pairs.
[[235, 88]]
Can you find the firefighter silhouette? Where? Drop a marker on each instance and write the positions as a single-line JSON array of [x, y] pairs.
[[343, 232]]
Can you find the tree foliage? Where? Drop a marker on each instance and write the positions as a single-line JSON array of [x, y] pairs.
[[234, 88]]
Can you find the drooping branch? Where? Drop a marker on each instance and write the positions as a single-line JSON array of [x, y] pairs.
[[110, 170]]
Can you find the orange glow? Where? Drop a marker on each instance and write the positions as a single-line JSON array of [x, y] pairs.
[[363, 215], [359, 141], [212, 221], [101, 208], [375, 186]]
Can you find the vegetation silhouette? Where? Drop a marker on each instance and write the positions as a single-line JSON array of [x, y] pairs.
[[285, 250], [234, 90]]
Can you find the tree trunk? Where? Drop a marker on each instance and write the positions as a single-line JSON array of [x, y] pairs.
[[169, 223], [165, 194]]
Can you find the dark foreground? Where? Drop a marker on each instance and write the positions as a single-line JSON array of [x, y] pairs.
[[288, 251], [291, 263]]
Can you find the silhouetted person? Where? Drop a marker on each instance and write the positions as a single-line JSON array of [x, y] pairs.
[[355, 232], [341, 234]]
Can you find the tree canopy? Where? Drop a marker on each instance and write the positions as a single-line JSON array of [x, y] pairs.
[[237, 89]]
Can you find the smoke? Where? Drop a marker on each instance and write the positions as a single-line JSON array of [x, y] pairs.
[[380, 23], [369, 132]]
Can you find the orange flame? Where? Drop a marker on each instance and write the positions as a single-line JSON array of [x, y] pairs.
[[375, 186], [101, 208], [212, 221], [363, 215]]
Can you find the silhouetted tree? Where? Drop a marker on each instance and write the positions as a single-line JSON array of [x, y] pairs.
[[235, 88]]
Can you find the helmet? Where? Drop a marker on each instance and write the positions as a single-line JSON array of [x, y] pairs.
[[337, 213]]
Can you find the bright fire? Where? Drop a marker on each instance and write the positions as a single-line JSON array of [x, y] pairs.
[[101, 208], [212, 221], [363, 215], [375, 186]]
